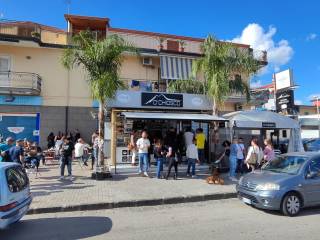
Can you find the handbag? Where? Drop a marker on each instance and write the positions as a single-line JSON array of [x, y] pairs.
[[253, 159]]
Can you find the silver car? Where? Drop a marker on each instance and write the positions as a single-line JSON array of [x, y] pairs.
[[288, 183]]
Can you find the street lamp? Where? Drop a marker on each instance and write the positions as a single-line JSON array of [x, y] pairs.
[[316, 101]]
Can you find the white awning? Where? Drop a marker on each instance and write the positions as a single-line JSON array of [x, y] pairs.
[[174, 68], [260, 119], [172, 116]]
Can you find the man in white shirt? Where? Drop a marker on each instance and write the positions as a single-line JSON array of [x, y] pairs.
[[188, 137], [79, 151], [143, 145], [192, 155]]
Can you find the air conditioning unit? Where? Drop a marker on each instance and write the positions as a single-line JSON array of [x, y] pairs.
[[147, 61]]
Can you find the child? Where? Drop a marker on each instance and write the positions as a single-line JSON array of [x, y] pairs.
[[192, 155]]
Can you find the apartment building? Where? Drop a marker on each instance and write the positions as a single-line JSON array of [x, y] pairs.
[[34, 84]]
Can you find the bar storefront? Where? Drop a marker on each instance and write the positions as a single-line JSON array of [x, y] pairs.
[[156, 113]]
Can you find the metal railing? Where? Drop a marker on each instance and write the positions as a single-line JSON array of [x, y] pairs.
[[22, 83]]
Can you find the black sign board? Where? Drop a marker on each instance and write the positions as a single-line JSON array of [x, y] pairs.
[[285, 101], [268, 124], [161, 100]]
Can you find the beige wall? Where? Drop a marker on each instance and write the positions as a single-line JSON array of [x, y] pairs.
[[52, 37], [46, 63]]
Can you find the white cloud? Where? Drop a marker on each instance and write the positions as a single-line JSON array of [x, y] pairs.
[[279, 53], [311, 36], [313, 96], [255, 84], [298, 102]]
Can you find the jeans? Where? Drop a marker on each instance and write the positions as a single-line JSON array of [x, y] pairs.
[[201, 155], [172, 163], [159, 166], [192, 165], [143, 162], [233, 165], [240, 168], [63, 162]]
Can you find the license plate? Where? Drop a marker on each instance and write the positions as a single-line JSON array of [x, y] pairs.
[[246, 200]]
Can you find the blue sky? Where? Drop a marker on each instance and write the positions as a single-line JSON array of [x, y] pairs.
[[288, 29]]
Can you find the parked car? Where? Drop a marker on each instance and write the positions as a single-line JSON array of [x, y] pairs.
[[15, 197], [288, 183], [311, 145]]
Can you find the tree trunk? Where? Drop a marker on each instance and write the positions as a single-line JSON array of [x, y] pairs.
[[215, 130], [101, 118]]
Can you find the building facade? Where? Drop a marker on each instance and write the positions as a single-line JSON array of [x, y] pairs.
[[33, 80]]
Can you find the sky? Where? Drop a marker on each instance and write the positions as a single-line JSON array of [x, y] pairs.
[[288, 30]]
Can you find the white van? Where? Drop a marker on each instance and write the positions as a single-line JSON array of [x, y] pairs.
[[15, 197]]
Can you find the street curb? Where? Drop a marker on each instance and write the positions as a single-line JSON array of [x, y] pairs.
[[138, 203]]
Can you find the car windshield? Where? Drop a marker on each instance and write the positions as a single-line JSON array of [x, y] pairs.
[[285, 164]]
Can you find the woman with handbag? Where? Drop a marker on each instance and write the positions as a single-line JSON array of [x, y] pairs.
[[255, 155]]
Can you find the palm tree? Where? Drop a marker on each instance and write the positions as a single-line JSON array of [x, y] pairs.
[[219, 61], [102, 60]]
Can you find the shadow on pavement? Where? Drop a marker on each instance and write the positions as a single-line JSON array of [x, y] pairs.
[[68, 228]]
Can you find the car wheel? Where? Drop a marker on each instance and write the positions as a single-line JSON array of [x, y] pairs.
[[291, 205]]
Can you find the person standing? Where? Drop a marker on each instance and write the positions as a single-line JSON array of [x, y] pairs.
[[133, 147], [192, 156], [17, 153], [233, 159], [50, 140], [201, 139], [159, 152], [255, 155], [188, 137], [66, 152], [240, 156], [77, 135], [79, 148], [268, 152], [95, 147], [4, 150], [143, 145], [172, 156]]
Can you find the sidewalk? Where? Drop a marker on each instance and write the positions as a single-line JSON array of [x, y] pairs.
[[125, 189]]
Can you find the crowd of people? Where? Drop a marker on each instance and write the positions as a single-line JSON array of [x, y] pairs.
[[242, 159], [72, 146], [21, 151], [171, 148]]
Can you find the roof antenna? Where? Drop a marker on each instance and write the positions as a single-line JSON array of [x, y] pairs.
[[68, 3]]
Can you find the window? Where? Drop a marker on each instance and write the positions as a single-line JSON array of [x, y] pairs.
[[4, 63], [17, 179], [314, 167]]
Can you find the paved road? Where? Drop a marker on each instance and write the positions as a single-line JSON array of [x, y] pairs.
[[225, 219]]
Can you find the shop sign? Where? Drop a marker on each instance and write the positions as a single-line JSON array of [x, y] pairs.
[[285, 100], [161, 100], [268, 124]]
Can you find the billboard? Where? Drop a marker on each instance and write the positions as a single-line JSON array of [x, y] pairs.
[[283, 79], [285, 101], [20, 126]]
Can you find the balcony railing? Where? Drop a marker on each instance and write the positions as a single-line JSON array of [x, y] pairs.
[[20, 83]]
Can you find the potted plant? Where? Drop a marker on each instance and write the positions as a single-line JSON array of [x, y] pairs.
[[35, 34], [182, 45], [161, 41]]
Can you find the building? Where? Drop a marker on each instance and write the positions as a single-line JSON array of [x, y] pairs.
[[34, 81]]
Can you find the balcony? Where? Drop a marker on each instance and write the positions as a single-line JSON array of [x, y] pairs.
[[32, 32], [20, 83]]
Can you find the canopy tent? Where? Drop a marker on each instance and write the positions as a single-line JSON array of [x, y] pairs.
[[172, 116], [267, 120]]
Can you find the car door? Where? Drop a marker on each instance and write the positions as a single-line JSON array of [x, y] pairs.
[[311, 186]]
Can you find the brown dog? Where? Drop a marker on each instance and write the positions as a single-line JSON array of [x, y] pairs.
[[215, 178]]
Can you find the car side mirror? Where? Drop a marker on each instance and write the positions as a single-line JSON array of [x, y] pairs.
[[312, 175]]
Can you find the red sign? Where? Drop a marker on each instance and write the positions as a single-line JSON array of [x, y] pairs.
[[316, 102]]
